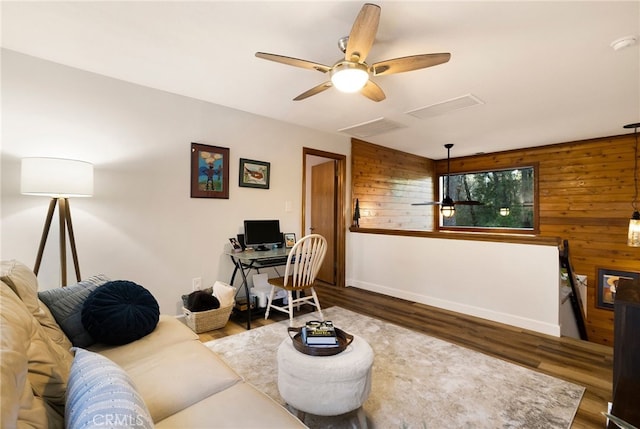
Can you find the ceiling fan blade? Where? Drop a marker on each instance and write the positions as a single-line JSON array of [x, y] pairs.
[[372, 91], [315, 90], [405, 64], [293, 62], [468, 203], [428, 203], [363, 33]]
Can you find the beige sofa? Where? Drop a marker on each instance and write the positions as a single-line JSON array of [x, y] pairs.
[[182, 383]]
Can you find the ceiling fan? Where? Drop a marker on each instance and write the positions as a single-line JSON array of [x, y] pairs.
[[352, 74], [447, 203]]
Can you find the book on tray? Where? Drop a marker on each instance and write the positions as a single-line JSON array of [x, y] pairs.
[[319, 334]]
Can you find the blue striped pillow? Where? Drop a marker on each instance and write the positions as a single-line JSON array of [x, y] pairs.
[[101, 394]]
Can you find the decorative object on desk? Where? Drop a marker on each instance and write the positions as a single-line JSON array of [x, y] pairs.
[[343, 341], [209, 171], [254, 174], [235, 244], [58, 179], [356, 214], [289, 239], [607, 283]]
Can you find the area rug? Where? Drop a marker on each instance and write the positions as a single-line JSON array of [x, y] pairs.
[[418, 381]]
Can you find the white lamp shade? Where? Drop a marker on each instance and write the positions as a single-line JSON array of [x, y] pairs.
[[56, 177]]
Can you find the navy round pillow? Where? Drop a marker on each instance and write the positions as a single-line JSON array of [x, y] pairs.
[[120, 312]]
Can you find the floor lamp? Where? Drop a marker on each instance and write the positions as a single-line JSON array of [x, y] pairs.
[[58, 179]]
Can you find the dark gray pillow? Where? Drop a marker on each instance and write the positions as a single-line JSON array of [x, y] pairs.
[[66, 304]]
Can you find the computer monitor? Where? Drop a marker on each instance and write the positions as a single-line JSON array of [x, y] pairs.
[[260, 234]]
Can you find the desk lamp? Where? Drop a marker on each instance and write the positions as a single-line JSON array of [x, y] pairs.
[[58, 179]]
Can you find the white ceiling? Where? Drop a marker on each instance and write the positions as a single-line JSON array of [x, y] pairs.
[[545, 70]]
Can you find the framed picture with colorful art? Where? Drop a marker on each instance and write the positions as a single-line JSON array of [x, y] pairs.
[[209, 171], [607, 284]]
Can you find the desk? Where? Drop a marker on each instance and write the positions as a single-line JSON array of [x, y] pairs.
[[248, 260]]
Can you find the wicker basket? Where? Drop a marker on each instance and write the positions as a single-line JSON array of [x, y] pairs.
[[203, 321]]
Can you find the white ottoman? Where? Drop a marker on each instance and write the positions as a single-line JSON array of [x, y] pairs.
[[326, 385]]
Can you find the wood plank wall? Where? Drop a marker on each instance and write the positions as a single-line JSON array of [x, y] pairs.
[[585, 193], [386, 182]]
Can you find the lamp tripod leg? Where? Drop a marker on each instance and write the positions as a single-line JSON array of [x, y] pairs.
[[63, 247], [45, 234], [72, 241]]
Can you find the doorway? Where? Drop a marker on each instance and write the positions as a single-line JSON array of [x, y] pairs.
[[323, 208]]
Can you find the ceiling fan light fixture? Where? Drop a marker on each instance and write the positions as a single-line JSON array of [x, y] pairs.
[[349, 76], [448, 208], [448, 211]]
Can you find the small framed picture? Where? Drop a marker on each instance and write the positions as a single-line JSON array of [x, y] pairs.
[[254, 174], [289, 239], [607, 284], [235, 244]]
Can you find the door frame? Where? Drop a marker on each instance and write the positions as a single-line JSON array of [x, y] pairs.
[[341, 172]]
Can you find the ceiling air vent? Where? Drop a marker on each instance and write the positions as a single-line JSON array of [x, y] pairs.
[[372, 128], [446, 106]]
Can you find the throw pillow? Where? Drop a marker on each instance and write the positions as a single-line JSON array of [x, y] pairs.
[[120, 312], [66, 305], [201, 301], [101, 394], [226, 294]]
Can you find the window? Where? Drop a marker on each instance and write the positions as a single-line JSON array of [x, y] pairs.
[[507, 201]]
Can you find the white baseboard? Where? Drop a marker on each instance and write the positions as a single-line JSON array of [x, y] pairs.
[[483, 313]]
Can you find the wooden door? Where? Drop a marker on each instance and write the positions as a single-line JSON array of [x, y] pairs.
[[323, 214]]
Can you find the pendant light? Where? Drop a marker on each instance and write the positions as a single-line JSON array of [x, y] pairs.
[[448, 208], [633, 237]]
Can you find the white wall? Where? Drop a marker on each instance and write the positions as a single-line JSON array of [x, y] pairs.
[[510, 283], [141, 223]]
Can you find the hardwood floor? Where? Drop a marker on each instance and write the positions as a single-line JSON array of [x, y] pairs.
[[580, 362]]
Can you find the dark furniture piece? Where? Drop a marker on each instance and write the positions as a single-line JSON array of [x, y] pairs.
[[626, 353], [574, 296]]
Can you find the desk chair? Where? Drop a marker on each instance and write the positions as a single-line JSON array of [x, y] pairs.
[[303, 264]]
